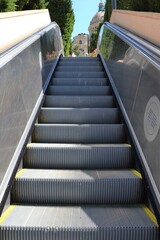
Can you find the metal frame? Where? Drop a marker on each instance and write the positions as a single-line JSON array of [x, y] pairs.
[[147, 176], [16, 159]]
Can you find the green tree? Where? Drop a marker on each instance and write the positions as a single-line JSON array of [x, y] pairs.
[[154, 5], [140, 5], [7, 5], [93, 41], [62, 13], [31, 4]]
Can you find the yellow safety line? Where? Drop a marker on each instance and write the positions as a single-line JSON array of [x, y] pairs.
[[127, 145], [135, 172], [150, 215], [20, 172], [6, 213]]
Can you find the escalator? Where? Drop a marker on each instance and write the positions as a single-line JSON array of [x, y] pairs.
[[80, 179]]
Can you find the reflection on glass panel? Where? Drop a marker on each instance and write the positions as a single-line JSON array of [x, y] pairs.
[[51, 45], [112, 47], [137, 81]]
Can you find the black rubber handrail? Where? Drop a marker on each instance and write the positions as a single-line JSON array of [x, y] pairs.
[[147, 176], [17, 157]]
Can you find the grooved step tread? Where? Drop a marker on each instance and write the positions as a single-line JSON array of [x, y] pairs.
[[62, 81], [79, 90], [92, 74], [81, 222], [79, 68], [81, 115], [77, 187], [74, 133], [79, 63], [79, 101], [78, 156], [81, 59]]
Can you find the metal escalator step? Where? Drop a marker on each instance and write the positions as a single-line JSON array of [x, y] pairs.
[[76, 68], [74, 133], [80, 74], [79, 90], [79, 63], [79, 222], [79, 101], [80, 115], [76, 156], [79, 81], [77, 187], [80, 59]]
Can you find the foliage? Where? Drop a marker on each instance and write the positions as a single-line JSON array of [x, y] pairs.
[[76, 50], [154, 5], [108, 11], [135, 5], [62, 13], [7, 5], [31, 4], [93, 41]]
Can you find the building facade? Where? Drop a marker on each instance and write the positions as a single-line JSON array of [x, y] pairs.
[[80, 44], [97, 19]]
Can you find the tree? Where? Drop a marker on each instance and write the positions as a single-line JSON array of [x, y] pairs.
[[31, 4], [93, 41], [134, 5], [7, 5], [62, 13]]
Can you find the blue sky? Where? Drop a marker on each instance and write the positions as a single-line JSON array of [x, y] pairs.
[[84, 10]]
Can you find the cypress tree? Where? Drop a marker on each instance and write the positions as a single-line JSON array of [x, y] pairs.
[[31, 4], [7, 5], [62, 13], [93, 41]]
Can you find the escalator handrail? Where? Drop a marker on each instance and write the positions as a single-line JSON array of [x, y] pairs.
[[14, 50], [147, 49], [16, 159], [146, 173]]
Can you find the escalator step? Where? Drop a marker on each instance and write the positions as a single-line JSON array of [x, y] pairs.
[[79, 81], [77, 187], [80, 74], [79, 68], [81, 115], [79, 101], [76, 156], [74, 133], [80, 59], [79, 63], [79, 90], [79, 222]]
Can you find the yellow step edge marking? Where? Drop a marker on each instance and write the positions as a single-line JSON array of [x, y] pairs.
[[135, 172], [20, 172], [150, 215], [127, 145], [30, 144], [7, 213]]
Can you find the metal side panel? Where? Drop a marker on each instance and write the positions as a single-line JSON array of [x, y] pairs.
[[80, 74], [79, 101], [77, 187], [76, 156], [79, 81], [74, 133], [76, 223], [79, 116], [79, 90]]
